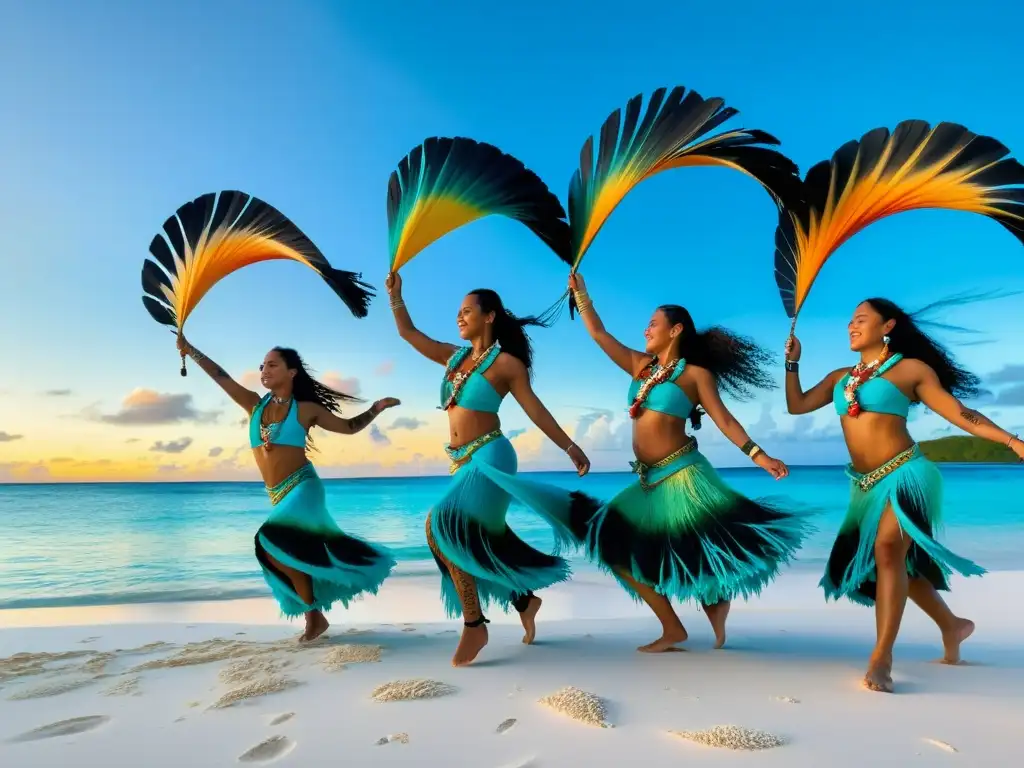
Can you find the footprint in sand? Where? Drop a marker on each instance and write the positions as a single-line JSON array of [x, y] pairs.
[[70, 727], [267, 750], [284, 718], [505, 725]]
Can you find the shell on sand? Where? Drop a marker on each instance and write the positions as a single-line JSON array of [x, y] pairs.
[[579, 705], [732, 737], [397, 738], [405, 690], [50, 689], [267, 685], [336, 658], [946, 747]]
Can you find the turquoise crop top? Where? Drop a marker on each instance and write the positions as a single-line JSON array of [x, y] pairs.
[[667, 397], [477, 393], [876, 395], [286, 432]]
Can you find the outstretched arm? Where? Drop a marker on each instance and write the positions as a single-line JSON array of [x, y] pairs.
[[800, 402], [930, 392], [246, 398], [522, 391], [711, 399], [629, 360], [326, 420], [438, 351]]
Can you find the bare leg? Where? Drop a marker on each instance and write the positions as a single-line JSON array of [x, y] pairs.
[[474, 633], [672, 630], [528, 615], [891, 548], [954, 629], [316, 622], [717, 614]]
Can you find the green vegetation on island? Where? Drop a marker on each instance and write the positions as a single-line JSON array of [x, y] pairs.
[[964, 448]]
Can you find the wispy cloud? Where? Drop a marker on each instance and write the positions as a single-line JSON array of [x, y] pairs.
[[348, 384], [377, 437], [57, 392], [1013, 395], [385, 368], [171, 446], [215, 452], [512, 434], [144, 406], [7, 437], [1008, 374], [407, 422]]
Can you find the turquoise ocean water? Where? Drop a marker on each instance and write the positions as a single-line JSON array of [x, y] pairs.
[[99, 544]]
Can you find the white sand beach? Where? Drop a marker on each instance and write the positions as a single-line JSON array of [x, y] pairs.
[[214, 684]]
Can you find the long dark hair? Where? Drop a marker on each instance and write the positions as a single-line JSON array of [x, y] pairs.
[[907, 338], [738, 363], [306, 389], [508, 329]]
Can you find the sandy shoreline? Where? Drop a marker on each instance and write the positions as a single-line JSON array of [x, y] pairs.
[[791, 669]]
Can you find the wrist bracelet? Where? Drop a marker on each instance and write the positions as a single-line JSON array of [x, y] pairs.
[[792, 366], [570, 447], [1010, 441], [754, 451], [397, 304]]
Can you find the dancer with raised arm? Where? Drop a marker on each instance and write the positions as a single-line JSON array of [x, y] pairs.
[[886, 549], [680, 532], [482, 561], [307, 560]]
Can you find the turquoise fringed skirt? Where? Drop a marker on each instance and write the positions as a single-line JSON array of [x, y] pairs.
[[301, 534], [912, 485], [468, 527], [682, 531]]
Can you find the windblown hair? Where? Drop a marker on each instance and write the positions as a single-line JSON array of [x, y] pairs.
[[738, 363], [306, 389], [909, 340], [508, 329]]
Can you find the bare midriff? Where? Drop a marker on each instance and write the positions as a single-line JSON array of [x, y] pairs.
[[465, 426], [279, 462], [874, 438], [657, 435]]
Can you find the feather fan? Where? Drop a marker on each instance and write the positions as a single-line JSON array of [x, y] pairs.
[[914, 167], [446, 183], [218, 233], [632, 149]]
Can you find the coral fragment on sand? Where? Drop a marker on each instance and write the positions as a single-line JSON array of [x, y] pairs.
[[129, 686], [579, 705], [340, 656], [732, 737], [272, 684], [406, 690]]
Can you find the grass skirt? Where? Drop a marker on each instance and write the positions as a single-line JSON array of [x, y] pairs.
[[682, 531], [913, 486], [301, 534], [468, 526]]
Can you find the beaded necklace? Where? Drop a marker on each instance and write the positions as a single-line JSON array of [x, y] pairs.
[[458, 379], [862, 373], [656, 374], [269, 432]]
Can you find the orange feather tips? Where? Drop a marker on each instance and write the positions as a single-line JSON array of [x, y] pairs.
[[444, 184], [914, 167], [669, 135], [218, 233]]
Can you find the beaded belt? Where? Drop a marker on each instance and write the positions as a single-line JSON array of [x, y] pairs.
[[459, 456], [282, 489], [642, 469], [869, 480]]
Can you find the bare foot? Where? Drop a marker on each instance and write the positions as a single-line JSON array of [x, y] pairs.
[[717, 614], [951, 640], [667, 642], [316, 625], [879, 675], [529, 619], [471, 643]]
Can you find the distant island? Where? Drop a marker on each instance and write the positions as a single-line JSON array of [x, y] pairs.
[[964, 448]]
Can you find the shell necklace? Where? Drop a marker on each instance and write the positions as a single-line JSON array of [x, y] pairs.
[[863, 372], [657, 374], [458, 379]]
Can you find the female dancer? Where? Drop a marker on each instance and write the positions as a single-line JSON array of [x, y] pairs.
[[480, 558], [886, 550], [680, 531], [308, 561]]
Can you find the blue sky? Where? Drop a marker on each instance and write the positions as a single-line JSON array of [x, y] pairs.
[[118, 112]]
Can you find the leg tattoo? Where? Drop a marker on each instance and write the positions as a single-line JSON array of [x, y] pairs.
[[465, 585]]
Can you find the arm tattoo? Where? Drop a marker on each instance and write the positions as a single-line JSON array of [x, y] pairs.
[[220, 373], [970, 416], [360, 422]]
